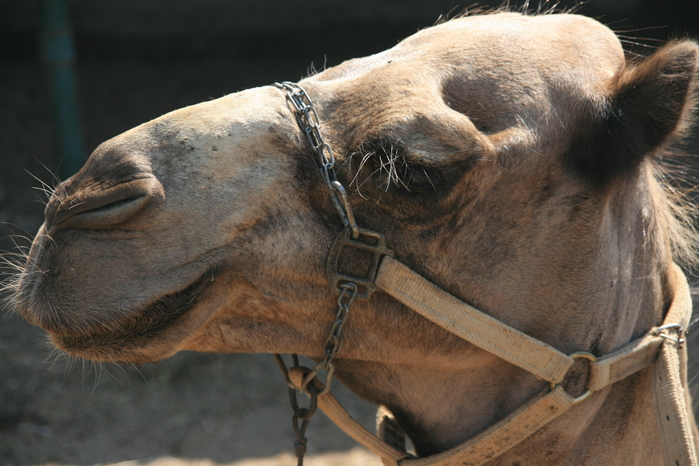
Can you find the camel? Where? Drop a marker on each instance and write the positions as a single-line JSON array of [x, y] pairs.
[[514, 162]]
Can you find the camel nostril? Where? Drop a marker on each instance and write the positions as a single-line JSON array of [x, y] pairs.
[[100, 209], [102, 215], [113, 207]]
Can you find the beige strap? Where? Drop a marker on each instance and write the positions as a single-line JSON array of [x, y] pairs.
[[504, 435], [670, 397], [469, 323], [336, 413], [624, 362], [332, 408], [670, 401]]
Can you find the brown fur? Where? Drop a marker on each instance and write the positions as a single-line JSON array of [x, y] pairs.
[[512, 160]]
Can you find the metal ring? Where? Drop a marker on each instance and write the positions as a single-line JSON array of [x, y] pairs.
[[677, 327], [579, 355], [582, 397], [583, 355], [328, 377]]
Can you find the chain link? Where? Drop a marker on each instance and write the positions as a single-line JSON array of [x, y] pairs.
[[301, 419], [333, 344], [307, 118], [309, 386], [308, 121]]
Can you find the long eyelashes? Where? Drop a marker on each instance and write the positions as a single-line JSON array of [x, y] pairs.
[[385, 167]]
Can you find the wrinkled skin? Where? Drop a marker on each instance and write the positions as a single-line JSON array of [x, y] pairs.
[[509, 159]]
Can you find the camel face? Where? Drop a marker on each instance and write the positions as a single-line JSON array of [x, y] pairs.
[[122, 269], [466, 145]]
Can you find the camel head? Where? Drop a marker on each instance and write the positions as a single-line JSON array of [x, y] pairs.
[[510, 159]]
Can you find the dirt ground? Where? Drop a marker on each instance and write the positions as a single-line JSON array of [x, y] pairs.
[[216, 409], [191, 410]]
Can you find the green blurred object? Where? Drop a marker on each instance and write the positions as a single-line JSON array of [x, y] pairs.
[[58, 54]]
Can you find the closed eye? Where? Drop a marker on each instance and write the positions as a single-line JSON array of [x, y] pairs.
[[419, 178]]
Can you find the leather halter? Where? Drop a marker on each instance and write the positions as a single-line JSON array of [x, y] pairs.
[[661, 347]]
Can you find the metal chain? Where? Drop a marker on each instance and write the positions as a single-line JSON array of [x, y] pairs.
[[301, 416], [310, 384], [307, 118], [300, 420], [333, 344], [308, 121]]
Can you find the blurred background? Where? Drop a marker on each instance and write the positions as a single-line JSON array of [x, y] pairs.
[[76, 73]]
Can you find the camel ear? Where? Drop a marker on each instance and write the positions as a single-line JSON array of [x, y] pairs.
[[648, 104]]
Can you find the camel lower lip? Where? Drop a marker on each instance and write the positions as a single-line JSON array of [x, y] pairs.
[[149, 323]]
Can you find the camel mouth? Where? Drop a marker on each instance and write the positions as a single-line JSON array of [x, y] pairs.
[[148, 327]]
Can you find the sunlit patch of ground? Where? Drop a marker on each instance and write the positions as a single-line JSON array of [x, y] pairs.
[[354, 457]]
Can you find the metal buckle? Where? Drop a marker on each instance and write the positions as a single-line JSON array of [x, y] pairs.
[[586, 394], [377, 247], [661, 332]]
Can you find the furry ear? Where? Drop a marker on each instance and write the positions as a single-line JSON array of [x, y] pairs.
[[647, 104]]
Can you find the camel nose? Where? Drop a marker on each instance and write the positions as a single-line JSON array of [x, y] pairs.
[[100, 208]]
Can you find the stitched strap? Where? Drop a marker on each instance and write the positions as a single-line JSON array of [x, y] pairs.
[[670, 402], [332, 408], [504, 435], [622, 363], [546, 362], [670, 398], [469, 323], [476, 451]]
